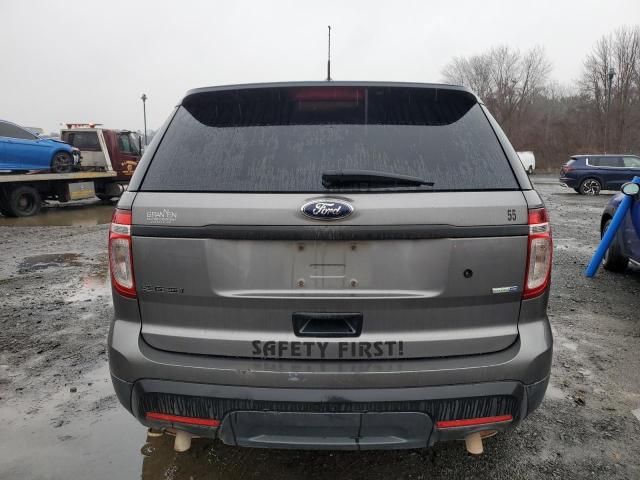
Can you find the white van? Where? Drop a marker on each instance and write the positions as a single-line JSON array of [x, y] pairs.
[[528, 161]]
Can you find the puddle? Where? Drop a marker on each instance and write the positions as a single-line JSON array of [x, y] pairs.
[[97, 443], [91, 286], [40, 262], [62, 216]]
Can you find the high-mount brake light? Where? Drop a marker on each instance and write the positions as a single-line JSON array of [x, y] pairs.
[[539, 253], [120, 254], [328, 94]]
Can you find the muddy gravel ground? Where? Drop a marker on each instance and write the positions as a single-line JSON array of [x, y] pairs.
[[60, 419]]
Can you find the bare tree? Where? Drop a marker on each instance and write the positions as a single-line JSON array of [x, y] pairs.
[[558, 121], [474, 72], [503, 77], [618, 52]]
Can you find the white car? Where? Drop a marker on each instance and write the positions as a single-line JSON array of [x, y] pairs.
[[528, 161]]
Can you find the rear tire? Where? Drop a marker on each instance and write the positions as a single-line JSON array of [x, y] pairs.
[[61, 163], [590, 186], [614, 260], [105, 198], [23, 201]]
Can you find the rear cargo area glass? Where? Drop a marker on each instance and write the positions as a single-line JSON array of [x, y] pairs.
[[283, 139]]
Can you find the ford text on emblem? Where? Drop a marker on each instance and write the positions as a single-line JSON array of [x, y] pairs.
[[327, 209]]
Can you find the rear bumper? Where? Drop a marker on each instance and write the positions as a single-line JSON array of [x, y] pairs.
[[272, 403], [569, 182], [351, 419]]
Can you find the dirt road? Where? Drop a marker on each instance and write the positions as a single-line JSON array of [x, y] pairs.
[[60, 419]]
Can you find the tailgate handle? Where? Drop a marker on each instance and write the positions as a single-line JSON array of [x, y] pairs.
[[323, 324]]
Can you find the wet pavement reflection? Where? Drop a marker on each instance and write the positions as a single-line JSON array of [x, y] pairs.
[[208, 459], [46, 260], [93, 212], [78, 434]]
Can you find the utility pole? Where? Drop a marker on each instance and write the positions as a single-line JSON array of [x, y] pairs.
[[329, 57], [610, 74], [144, 113]]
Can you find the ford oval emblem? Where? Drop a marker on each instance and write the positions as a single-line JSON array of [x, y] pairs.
[[327, 209]]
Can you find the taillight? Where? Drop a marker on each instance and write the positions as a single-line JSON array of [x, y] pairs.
[[120, 255], [539, 254]]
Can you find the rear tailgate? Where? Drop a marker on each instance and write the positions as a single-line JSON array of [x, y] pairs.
[[443, 277]]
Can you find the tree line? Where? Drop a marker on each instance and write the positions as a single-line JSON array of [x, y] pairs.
[[554, 120]]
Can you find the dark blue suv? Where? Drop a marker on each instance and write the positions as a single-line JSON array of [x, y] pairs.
[[626, 244], [588, 174]]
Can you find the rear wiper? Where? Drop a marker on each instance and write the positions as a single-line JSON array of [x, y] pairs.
[[332, 178]]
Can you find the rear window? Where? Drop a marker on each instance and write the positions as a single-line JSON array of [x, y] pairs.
[[632, 162], [283, 139], [84, 140], [606, 161]]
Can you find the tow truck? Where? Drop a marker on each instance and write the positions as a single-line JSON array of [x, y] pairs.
[[109, 158]]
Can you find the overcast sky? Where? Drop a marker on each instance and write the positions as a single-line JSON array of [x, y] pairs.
[[82, 60]]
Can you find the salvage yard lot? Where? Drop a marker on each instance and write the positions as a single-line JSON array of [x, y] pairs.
[[56, 400]]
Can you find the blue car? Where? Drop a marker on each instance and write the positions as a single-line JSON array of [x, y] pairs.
[[626, 244], [588, 174], [21, 150]]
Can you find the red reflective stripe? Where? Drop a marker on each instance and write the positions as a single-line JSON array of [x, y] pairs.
[[469, 422], [205, 422]]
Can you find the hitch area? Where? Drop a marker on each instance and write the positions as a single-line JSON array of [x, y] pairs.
[[323, 431]]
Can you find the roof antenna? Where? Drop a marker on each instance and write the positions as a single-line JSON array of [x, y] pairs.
[[329, 57]]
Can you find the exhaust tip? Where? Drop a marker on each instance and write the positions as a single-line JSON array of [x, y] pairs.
[[473, 442], [182, 442]]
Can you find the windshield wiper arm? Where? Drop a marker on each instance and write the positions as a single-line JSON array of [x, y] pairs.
[[340, 177]]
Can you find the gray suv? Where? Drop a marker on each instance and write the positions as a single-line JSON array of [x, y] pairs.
[[332, 265]]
